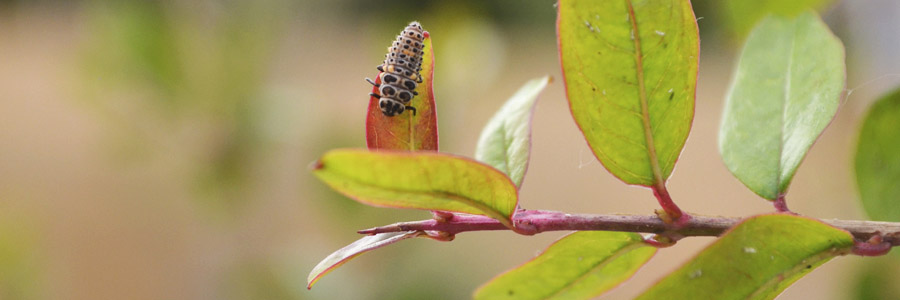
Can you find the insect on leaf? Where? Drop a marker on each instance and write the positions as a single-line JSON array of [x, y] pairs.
[[580, 265], [630, 69], [786, 89], [505, 142], [757, 259], [420, 180], [407, 131]]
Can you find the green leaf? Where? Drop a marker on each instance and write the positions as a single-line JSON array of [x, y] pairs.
[[421, 180], [505, 142], [878, 159], [408, 131], [877, 279], [630, 69], [579, 266], [786, 89], [757, 259], [742, 15], [353, 250]]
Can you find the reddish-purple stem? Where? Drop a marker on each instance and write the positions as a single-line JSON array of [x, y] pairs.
[[675, 215], [536, 221], [781, 205], [875, 246]]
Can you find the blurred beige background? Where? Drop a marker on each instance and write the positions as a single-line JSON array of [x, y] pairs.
[[159, 150]]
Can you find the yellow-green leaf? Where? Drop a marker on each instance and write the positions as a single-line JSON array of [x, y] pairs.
[[630, 69], [421, 180], [757, 259], [579, 266]]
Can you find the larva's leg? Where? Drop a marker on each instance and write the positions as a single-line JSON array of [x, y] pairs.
[[375, 95], [372, 82], [413, 109], [380, 68]]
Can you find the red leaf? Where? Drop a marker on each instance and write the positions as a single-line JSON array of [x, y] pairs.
[[407, 131]]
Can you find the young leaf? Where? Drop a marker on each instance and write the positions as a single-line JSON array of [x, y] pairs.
[[421, 180], [630, 69], [786, 89], [878, 159], [505, 142], [353, 250], [757, 259], [407, 131], [581, 265]]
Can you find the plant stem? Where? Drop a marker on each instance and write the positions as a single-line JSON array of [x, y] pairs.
[[537, 221], [781, 204]]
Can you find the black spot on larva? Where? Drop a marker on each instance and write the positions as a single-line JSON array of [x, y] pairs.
[[408, 41], [388, 91], [406, 47], [409, 84], [390, 78], [405, 96], [401, 55], [381, 103], [407, 73], [419, 36]]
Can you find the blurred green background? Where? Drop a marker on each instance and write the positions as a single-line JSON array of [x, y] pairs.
[[159, 149]]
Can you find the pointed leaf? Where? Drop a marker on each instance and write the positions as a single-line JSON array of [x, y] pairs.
[[421, 180], [878, 159], [581, 265], [353, 250], [407, 131], [630, 69], [505, 142], [757, 259], [786, 89]]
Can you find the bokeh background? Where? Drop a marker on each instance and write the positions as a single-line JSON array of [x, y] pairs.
[[160, 149]]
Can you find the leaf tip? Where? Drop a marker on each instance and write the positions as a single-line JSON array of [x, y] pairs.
[[316, 165], [311, 281]]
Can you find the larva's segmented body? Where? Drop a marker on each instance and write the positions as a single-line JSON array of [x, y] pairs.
[[400, 71]]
